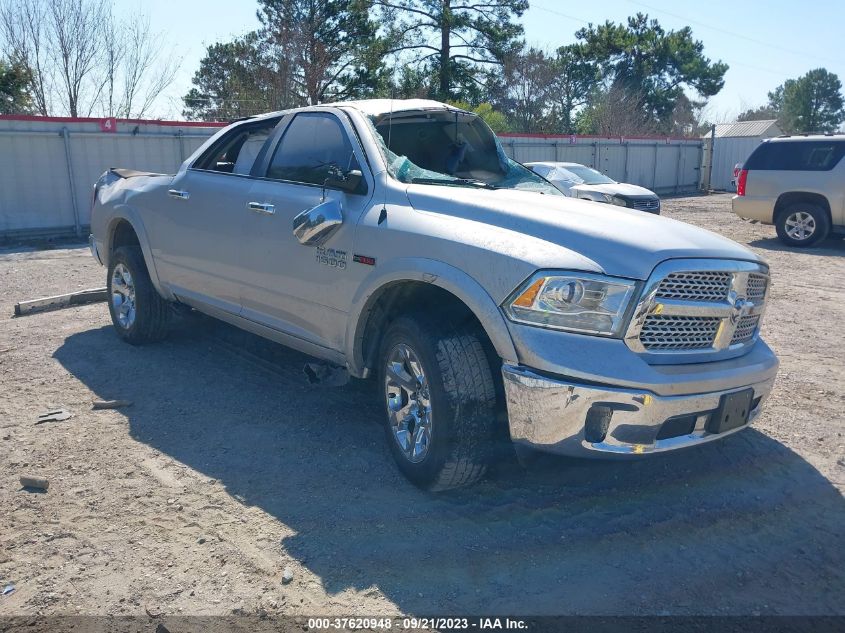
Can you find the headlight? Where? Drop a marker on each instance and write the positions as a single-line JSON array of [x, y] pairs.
[[576, 302], [619, 202]]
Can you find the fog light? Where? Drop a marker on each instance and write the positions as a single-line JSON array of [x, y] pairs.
[[597, 423]]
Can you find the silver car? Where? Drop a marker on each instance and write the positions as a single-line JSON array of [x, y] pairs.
[[579, 181], [397, 241]]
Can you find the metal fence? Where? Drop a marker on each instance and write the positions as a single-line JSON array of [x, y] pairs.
[[48, 165], [665, 165]]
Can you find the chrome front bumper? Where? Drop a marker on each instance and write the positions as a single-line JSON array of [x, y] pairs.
[[569, 418]]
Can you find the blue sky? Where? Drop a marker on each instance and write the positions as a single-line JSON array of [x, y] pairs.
[[764, 43]]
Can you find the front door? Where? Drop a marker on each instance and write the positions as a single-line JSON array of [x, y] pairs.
[[304, 291]]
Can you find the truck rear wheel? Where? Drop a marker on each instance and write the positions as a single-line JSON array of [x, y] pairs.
[[138, 312], [802, 224], [440, 401]]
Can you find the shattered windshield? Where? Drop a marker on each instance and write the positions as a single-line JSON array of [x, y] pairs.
[[450, 147]]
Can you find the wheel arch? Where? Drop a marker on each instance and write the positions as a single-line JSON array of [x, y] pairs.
[[786, 199], [414, 282], [125, 228]]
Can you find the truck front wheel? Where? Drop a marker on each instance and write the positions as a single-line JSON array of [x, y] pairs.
[[138, 312], [440, 400]]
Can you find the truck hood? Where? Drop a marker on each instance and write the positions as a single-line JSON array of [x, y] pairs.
[[620, 188], [621, 242]]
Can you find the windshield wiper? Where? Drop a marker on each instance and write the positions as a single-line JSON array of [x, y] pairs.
[[456, 181]]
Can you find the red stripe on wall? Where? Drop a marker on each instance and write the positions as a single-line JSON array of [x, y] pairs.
[[67, 119]]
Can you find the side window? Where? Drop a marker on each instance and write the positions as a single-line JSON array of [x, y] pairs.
[[236, 152], [313, 144], [797, 156]]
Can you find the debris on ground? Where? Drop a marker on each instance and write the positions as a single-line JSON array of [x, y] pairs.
[[111, 404], [326, 374], [9, 590], [37, 483], [61, 301], [57, 415], [287, 575]]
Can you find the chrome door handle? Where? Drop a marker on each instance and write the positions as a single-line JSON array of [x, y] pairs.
[[176, 193], [262, 207]]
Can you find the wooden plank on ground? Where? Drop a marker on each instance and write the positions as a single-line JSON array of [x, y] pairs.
[[92, 295]]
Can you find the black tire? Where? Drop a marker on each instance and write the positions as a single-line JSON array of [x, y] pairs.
[[463, 397], [152, 313], [820, 222]]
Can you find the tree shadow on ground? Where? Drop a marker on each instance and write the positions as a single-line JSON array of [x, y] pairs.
[[737, 526]]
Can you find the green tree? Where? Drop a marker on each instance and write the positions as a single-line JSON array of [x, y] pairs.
[[457, 41], [306, 52], [237, 79], [574, 78], [331, 46], [811, 103], [642, 58], [528, 81], [14, 89], [761, 113]]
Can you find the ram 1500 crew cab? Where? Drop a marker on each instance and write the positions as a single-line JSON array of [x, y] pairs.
[[396, 239]]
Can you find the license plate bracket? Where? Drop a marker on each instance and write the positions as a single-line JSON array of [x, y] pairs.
[[734, 410]]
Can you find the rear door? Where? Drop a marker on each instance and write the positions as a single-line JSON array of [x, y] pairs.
[[197, 228], [304, 291]]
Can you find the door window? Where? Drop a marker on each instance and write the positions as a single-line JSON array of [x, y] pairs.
[[311, 147], [236, 152]]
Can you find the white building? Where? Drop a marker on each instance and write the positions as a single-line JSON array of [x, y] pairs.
[[734, 143]]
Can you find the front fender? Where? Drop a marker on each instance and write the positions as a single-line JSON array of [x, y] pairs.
[[126, 213], [438, 274]]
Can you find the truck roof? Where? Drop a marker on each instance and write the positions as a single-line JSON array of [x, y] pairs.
[[370, 107], [375, 107]]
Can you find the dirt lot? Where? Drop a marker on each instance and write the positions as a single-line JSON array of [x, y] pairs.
[[229, 467]]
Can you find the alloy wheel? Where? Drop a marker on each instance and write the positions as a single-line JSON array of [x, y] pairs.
[[800, 226], [408, 403], [123, 296]]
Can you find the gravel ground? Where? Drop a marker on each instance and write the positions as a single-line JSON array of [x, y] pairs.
[[228, 468]]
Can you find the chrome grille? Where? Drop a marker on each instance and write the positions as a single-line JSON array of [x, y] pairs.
[[695, 286], [646, 205], [757, 287], [699, 307], [745, 329], [678, 332]]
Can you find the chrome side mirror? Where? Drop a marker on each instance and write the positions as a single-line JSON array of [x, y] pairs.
[[313, 226]]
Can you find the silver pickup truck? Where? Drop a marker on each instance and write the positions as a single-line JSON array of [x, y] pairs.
[[396, 240]]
